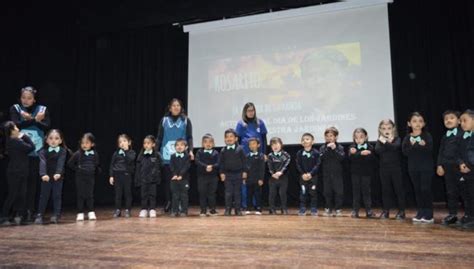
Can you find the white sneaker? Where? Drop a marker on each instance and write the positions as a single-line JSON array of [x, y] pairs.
[[152, 213], [327, 212], [91, 216], [258, 213], [338, 213], [247, 212], [80, 217], [428, 221], [143, 213]]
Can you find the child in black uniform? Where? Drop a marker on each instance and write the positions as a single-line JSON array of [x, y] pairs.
[[448, 163], [85, 162], [51, 170], [307, 163], [388, 149], [332, 155], [418, 147], [207, 162], [232, 171], [148, 176], [122, 166], [179, 166], [362, 167], [467, 167], [255, 175], [278, 161], [18, 146]]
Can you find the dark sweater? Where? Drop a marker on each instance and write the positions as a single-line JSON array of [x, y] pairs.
[[232, 160], [203, 159], [255, 167], [148, 168], [420, 158], [362, 165], [18, 150], [467, 153], [85, 164], [449, 150], [389, 154], [122, 163], [305, 164], [52, 163], [278, 163], [179, 166], [331, 159]]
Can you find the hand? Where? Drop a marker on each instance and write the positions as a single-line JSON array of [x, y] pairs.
[[20, 135], [191, 155], [412, 142], [365, 152], [222, 177], [440, 171], [382, 139], [57, 177], [125, 147], [464, 169], [244, 181], [279, 173], [306, 176], [260, 182], [244, 175], [26, 116], [390, 139], [174, 178], [179, 178], [209, 168], [332, 145], [265, 157], [353, 150], [422, 143], [45, 178], [111, 180], [39, 117]]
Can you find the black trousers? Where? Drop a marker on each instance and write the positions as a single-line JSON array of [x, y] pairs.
[[333, 190], [85, 192], [232, 184], [308, 193], [165, 183], [207, 187], [55, 187], [391, 180], [16, 197], [454, 187], [278, 186], [148, 195], [254, 190], [31, 186], [361, 187], [421, 181], [123, 188], [179, 193], [468, 185]]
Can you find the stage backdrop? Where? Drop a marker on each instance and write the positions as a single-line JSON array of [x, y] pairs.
[[117, 74]]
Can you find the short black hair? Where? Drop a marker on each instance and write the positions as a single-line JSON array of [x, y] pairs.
[[181, 140], [307, 134], [253, 139], [469, 112], [276, 140], [230, 131], [207, 136], [452, 112]]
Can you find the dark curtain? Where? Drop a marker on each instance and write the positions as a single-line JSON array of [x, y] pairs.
[[120, 80]]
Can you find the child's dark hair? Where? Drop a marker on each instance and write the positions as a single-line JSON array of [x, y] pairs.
[[8, 127], [415, 114], [254, 139], [181, 140], [230, 131], [469, 112], [333, 130], [207, 136], [61, 135], [359, 130], [276, 140], [182, 113], [456, 113], [307, 134], [29, 89], [88, 136], [5, 134], [151, 138], [244, 113], [126, 137]]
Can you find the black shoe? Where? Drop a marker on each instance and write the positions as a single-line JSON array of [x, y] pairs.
[[450, 219], [39, 219], [227, 212], [213, 212], [127, 213], [183, 214], [203, 213], [400, 215], [384, 215], [355, 214], [167, 207], [465, 219], [272, 212], [238, 213], [117, 213], [28, 216], [54, 219], [469, 223], [6, 223], [174, 214], [369, 213], [285, 211]]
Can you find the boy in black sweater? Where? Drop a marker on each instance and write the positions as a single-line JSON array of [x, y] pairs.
[[467, 167], [278, 161], [232, 171], [307, 164], [207, 163], [448, 163], [179, 166], [255, 175], [332, 156]]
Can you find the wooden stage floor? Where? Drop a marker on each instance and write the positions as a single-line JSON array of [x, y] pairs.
[[236, 242]]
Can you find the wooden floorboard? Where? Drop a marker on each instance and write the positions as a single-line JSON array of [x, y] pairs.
[[236, 242]]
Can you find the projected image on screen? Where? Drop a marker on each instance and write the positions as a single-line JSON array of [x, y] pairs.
[[298, 83]]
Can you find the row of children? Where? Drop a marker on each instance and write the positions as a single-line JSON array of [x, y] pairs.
[[234, 168]]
